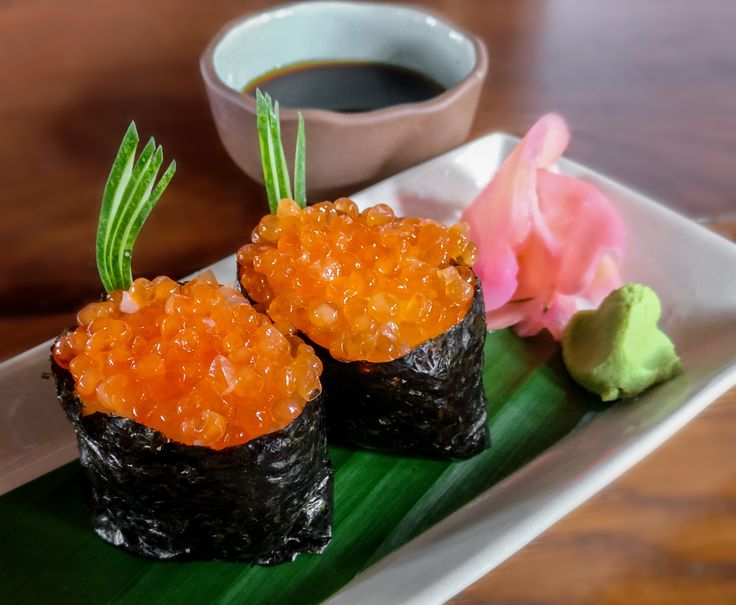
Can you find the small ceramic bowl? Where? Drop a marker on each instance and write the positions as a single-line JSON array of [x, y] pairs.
[[344, 149]]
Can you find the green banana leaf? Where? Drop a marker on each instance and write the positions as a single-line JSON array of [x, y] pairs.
[[49, 553]]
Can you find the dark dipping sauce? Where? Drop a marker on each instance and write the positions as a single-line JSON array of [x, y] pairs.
[[345, 86]]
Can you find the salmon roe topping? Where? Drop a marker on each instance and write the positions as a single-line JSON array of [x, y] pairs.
[[365, 285], [196, 362]]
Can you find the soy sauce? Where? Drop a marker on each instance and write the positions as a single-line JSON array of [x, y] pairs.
[[345, 87]]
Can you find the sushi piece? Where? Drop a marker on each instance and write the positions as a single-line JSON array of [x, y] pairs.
[[200, 426], [392, 308], [395, 314]]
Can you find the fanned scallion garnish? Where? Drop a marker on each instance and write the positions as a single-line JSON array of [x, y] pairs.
[[130, 194], [273, 158]]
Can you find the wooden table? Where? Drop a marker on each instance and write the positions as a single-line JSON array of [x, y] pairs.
[[649, 91]]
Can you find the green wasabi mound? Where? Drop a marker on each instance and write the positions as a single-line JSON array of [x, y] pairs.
[[617, 350]]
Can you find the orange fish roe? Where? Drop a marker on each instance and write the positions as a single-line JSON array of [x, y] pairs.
[[365, 285], [196, 362]]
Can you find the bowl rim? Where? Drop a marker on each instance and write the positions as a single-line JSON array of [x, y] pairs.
[[214, 83]]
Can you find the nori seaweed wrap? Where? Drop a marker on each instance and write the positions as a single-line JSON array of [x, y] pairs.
[[263, 502], [430, 402]]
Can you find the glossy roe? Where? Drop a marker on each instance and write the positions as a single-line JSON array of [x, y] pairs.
[[365, 285], [193, 361]]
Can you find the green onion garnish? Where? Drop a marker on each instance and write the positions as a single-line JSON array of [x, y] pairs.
[[130, 194], [273, 158]]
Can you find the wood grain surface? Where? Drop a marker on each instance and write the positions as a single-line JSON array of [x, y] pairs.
[[649, 89]]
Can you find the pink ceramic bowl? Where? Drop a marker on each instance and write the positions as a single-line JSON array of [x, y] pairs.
[[344, 149]]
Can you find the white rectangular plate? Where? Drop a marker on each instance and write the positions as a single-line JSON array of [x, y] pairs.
[[693, 271]]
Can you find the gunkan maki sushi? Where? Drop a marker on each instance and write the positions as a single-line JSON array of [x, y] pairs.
[[200, 425], [390, 304], [395, 314]]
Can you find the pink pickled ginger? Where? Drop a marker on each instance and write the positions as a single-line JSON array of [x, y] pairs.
[[549, 245]]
